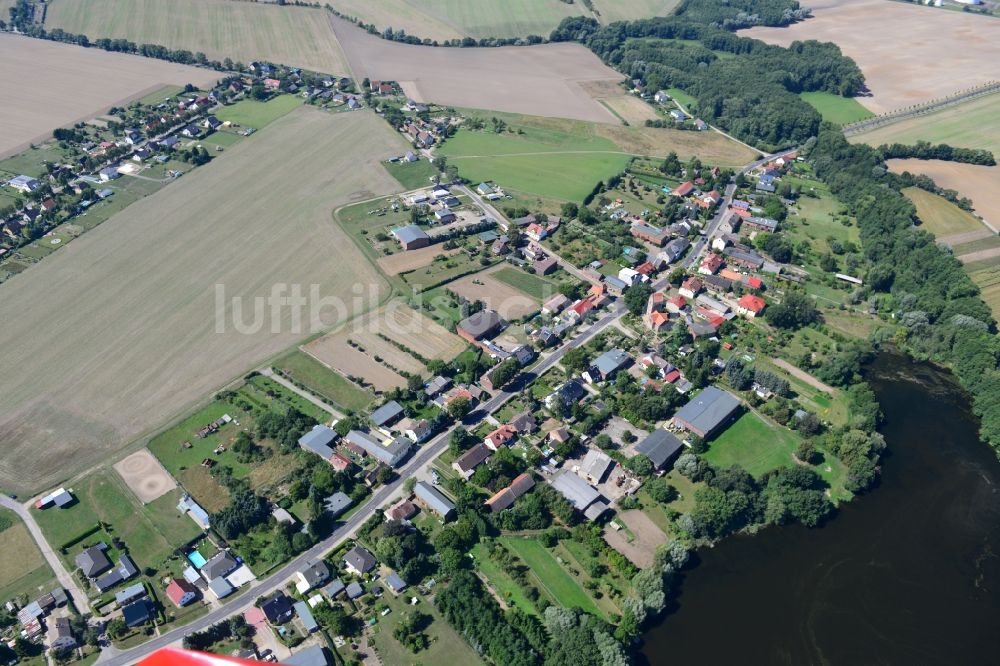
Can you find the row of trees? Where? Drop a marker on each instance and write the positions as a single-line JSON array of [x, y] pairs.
[[924, 150]]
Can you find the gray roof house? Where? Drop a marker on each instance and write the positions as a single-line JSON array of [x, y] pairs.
[[391, 454], [359, 560], [93, 561], [188, 506], [125, 570], [318, 441], [312, 576], [310, 656], [218, 566], [395, 583], [220, 587], [708, 412], [661, 447], [434, 500], [387, 414], [334, 588], [137, 613], [354, 590], [607, 364], [305, 616], [337, 503], [130, 593]]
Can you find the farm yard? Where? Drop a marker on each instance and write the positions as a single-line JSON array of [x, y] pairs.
[[60, 90], [898, 47], [22, 569], [151, 274], [624, 105], [243, 31], [453, 19], [381, 345], [543, 79], [972, 124]]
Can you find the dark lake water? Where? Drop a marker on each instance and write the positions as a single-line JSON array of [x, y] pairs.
[[907, 574]]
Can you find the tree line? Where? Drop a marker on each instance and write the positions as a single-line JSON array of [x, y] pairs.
[[924, 150]]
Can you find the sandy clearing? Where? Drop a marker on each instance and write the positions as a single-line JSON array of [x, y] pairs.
[[632, 109], [411, 260], [62, 90], [909, 53], [145, 476], [641, 551], [510, 302], [116, 333], [979, 183], [542, 80], [243, 31]]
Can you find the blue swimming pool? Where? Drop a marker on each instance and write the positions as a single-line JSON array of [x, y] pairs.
[[197, 559]]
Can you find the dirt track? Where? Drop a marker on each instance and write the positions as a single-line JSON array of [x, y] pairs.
[[542, 80], [909, 53]]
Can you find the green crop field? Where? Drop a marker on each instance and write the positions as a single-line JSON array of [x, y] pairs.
[[243, 31], [327, 384], [754, 445], [836, 109], [974, 124], [251, 113], [940, 216], [532, 285], [550, 576]]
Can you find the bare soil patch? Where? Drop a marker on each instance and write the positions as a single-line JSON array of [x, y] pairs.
[[139, 292], [510, 302], [979, 183], [404, 262], [69, 83], [145, 476], [967, 237], [641, 551], [543, 80], [900, 47]]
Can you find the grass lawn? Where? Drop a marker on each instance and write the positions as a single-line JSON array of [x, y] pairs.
[[445, 270], [151, 531], [220, 138], [447, 647], [532, 285], [31, 162], [22, 569], [754, 445], [501, 582], [412, 175], [940, 216], [322, 381], [836, 109], [163, 94], [251, 113], [819, 219], [550, 576], [686, 100]]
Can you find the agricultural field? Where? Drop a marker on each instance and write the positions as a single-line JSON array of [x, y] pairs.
[[412, 260], [978, 183], [379, 347], [151, 272], [60, 90], [151, 531], [543, 80], [510, 301], [321, 380], [837, 109], [243, 31], [22, 569], [630, 10], [898, 47], [941, 217], [754, 444], [251, 113], [529, 283], [973, 124]]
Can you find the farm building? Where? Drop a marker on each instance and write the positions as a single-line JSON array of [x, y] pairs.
[[60, 498], [480, 325], [434, 500], [318, 441], [660, 447], [649, 233], [577, 492], [310, 656], [596, 465], [25, 184], [391, 453], [395, 583], [411, 237], [708, 412], [188, 506], [387, 414]]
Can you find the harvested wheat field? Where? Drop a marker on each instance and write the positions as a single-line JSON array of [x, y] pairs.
[[376, 347], [138, 294], [243, 31], [70, 83], [411, 260], [908, 53], [510, 302], [543, 80], [978, 183]]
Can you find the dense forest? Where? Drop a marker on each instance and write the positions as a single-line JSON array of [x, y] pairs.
[[755, 96], [938, 308]]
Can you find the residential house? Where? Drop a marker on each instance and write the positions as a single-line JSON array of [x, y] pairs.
[[126, 569], [761, 223], [501, 437], [649, 233], [181, 592], [219, 566], [505, 497], [395, 583], [535, 232], [676, 248], [437, 386], [691, 287], [615, 286], [191, 131], [138, 613], [658, 321], [750, 306], [524, 423], [484, 189], [467, 463], [63, 635], [24, 184], [700, 125], [676, 304], [683, 189], [743, 257], [312, 576], [337, 503], [319, 441], [708, 303], [359, 561], [711, 264], [444, 216], [418, 431], [402, 510], [434, 500], [340, 463], [277, 608], [605, 366], [93, 561], [678, 115], [545, 265], [568, 394]]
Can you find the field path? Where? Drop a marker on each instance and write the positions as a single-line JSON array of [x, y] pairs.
[[66, 580], [272, 375], [803, 376]]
